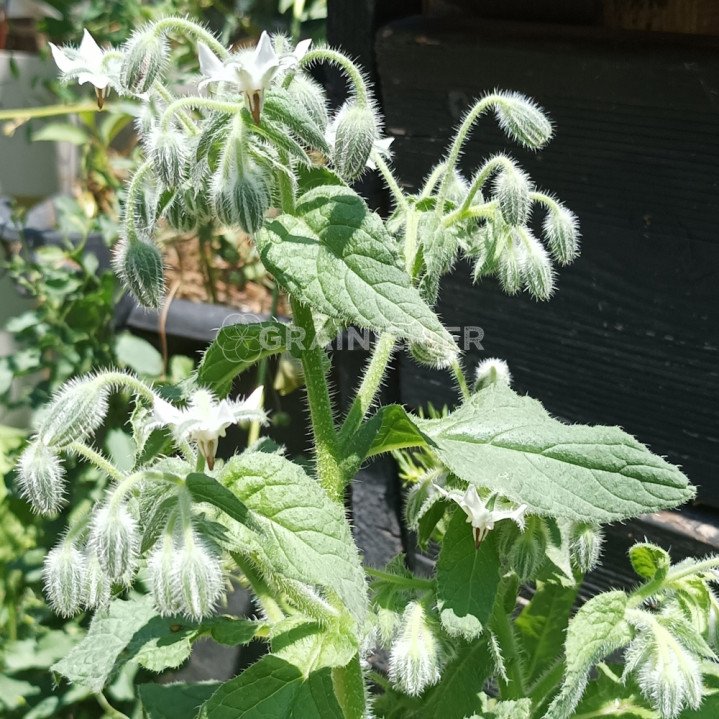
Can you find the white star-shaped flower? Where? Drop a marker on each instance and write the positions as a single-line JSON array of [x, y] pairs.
[[85, 64], [478, 512], [381, 145], [205, 419], [251, 70]]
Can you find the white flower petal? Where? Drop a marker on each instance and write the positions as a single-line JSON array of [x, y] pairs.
[[90, 51], [265, 52], [64, 63], [210, 65], [302, 49]]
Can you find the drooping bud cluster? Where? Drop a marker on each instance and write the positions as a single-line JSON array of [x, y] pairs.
[[115, 540], [185, 576], [139, 265], [523, 120], [41, 478]]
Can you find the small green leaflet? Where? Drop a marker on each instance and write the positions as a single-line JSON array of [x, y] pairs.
[[207, 489], [337, 257], [235, 349], [467, 579], [274, 688], [649, 561], [510, 444], [304, 535]]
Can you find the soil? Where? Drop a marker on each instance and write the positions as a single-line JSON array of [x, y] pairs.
[[242, 284]]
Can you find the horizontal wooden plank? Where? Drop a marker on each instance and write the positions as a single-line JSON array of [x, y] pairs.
[[632, 337]]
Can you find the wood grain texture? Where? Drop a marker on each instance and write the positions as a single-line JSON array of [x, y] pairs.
[[573, 11], [632, 337], [700, 17]]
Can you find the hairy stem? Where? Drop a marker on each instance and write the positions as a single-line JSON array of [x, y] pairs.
[[409, 582], [461, 379], [389, 179], [188, 27], [197, 103], [323, 428], [96, 459], [108, 708], [349, 68], [259, 588]]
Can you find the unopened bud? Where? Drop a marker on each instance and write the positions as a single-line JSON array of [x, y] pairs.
[[310, 94], [187, 209], [523, 120], [526, 550], [169, 154], [586, 542], [198, 578], [75, 412], [414, 662], [561, 229], [433, 354], [482, 246], [387, 623], [512, 188], [41, 478], [64, 578], [115, 539], [138, 264], [537, 270], [98, 585], [491, 371], [161, 577], [356, 133], [241, 197], [509, 268], [145, 58]]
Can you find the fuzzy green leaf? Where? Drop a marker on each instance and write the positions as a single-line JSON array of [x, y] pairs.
[[304, 536], [231, 631], [337, 257], [207, 489], [235, 349], [598, 629], [467, 579], [273, 687], [649, 561], [512, 445]]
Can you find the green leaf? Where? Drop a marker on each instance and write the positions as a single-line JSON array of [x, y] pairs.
[[456, 695], [709, 708], [163, 643], [337, 257], [207, 489], [467, 579], [304, 534], [236, 348], [61, 132], [174, 701], [273, 687], [231, 631], [348, 683], [280, 108], [392, 429], [597, 629], [511, 709], [311, 646], [511, 445], [91, 662], [139, 355], [649, 561], [542, 622]]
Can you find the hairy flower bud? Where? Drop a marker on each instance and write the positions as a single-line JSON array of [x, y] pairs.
[[432, 355], [523, 120], [311, 95], [511, 260], [41, 478], [526, 550], [64, 578], [561, 230], [187, 209], [537, 271], [75, 412], [415, 656], [138, 264], [169, 154], [491, 371], [161, 576], [145, 58], [198, 578], [96, 594], [512, 187], [242, 197], [115, 539], [356, 133], [586, 541]]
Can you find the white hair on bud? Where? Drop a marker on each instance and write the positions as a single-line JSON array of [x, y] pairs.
[[414, 662], [161, 576], [492, 371], [64, 572], [561, 230], [98, 585], [522, 119], [41, 478], [512, 188], [115, 539], [197, 578], [169, 150]]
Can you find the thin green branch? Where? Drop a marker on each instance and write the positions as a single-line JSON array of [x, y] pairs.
[[193, 29], [408, 582], [96, 459], [389, 179], [353, 73]]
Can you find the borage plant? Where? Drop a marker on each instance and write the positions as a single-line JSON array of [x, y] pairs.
[[514, 497]]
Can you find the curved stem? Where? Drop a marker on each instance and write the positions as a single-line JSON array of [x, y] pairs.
[[389, 179], [461, 379], [185, 119], [487, 170], [108, 708], [190, 28], [488, 210], [24, 113], [432, 181], [449, 166], [133, 191], [96, 459], [127, 381], [197, 103], [350, 69]]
